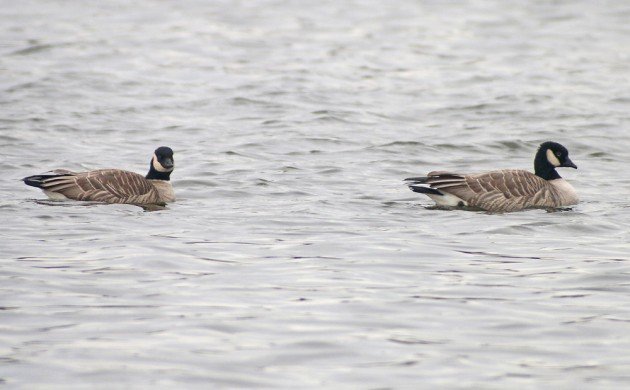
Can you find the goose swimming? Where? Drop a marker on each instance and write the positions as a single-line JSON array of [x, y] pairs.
[[504, 190], [112, 185]]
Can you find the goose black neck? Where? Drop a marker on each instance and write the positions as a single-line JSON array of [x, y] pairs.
[[154, 174], [543, 168]]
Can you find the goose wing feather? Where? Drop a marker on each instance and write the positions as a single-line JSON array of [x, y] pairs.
[[104, 185], [503, 190]]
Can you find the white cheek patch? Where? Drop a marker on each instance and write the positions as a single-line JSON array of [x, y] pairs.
[[157, 166], [553, 160]]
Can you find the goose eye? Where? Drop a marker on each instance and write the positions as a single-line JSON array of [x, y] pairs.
[[558, 154]]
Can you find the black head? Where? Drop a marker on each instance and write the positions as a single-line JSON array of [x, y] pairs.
[[551, 155], [162, 164]]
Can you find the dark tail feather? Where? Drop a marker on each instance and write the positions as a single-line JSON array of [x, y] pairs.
[[425, 190], [38, 180], [414, 185], [417, 180], [34, 181]]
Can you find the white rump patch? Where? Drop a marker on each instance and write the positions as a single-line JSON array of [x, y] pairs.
[[55, 195], [553, 160], [157, 166], [447, 200]]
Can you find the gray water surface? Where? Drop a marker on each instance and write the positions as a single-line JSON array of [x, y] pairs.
[[295, 257]]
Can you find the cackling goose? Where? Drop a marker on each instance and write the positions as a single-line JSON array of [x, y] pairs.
[[112, 185], [504, 190]]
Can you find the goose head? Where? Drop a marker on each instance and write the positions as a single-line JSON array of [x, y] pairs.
[[162, 160], [551, 155], [162, 164]]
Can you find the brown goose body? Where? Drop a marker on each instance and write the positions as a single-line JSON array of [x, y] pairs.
[[504, 190], [107, 185], [112, 185]]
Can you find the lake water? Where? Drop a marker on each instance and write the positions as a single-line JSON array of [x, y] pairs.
[[295, 257]]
